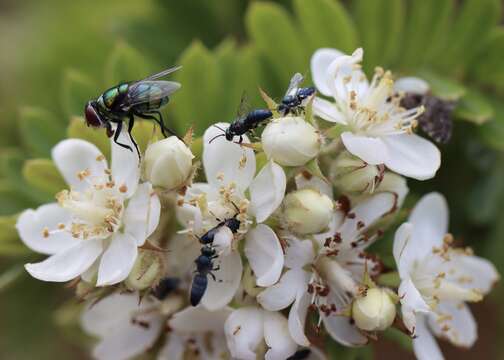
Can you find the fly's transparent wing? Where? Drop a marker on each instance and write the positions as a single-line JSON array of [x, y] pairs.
[[244, 106], [148, 91], [163, 73], [295, 81]]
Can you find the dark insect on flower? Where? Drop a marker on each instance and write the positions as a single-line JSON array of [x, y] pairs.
[[165, 287], [244, 122], [295, 96], [436, 121], [141, 98], [232, 223], [300, 355], [204, 267]]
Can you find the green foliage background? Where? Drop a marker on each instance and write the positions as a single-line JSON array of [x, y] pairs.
[[57, 54]]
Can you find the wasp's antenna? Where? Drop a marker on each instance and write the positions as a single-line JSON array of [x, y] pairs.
[[218, 127], [236, 207], [215, 137]]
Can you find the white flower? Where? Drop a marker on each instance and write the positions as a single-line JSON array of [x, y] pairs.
[[254, 333], [290, 141], [168, 163], [307, 211], [326, 273], [374, 310], [437, 280], [99, 223], [229, 170], [127, 327], [377, 129]]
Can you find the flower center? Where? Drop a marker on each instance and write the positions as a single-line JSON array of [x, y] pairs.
[[97, 210]]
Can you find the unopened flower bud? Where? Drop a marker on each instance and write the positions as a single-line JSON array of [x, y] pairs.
[[350, 174], [146, 271], [374, 311], [290, 141], [307, 211], [168, 163]]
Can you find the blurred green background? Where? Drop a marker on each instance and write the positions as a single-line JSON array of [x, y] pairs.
[[54, 55]]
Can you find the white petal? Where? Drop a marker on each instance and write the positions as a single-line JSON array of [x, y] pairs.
[[117, 260], [221, 157], [173, 348], [141, 216], [101, 318], [411, 84], [244, 332], [424, 345], [31, 224], [328, 111], [198, 319], [267, 191], [297, 319], [277, 337], [371, 150], [282, 294], [223, 241], [366, 213], [265, 254], [298, 253], [314, 182], [67, 264], [128, 341], [412, 156], [72, 156], [219, 293], [343, 331], [412, 303], [125, 164], [319, 64], [482, 272], [430, 223], [461, 327], [404, 253]]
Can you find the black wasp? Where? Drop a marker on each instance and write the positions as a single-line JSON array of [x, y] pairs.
[[436, 121], [204, 262], [141, 98], [300, 355], [244, 121], [165, 287], [295, 96]]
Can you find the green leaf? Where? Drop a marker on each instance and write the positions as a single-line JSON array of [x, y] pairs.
[[380, 24], [43, 175], [474, 107], [125, 64], [399, 338], [195, 103], [475, 20], [78, 130], [425, 30], [277, 39], [390, 279], [340, 352], [492, 132], [40, 130], [488, 68], [326, 23], [8, 277], [443, 87], [76, 90]]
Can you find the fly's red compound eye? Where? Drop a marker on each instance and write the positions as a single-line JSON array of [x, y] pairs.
[[92, 117]]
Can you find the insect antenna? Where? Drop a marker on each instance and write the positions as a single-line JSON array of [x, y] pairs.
[[215, 137]]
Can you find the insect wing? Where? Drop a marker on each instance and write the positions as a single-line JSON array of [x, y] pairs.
[[244, 106], [163, 73], [295, 81], [148, 91]]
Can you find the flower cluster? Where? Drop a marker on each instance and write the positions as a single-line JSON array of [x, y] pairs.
[[280, 229]]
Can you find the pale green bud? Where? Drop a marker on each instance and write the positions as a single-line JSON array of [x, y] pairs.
[[374, 310], [352, 175], [147, 270]]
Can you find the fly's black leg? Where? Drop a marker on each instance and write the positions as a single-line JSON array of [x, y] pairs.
[[162, 124], [116, 136], [130, 128]]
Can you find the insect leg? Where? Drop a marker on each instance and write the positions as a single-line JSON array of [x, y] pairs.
[[213, 276], [130, 128], [116, 136], [162, 124]]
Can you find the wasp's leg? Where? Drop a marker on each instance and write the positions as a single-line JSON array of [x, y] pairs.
[[130, 128], [116, 136], [213, 276]]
